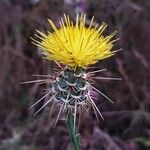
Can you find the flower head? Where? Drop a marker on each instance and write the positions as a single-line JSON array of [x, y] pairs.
[[75, 45]]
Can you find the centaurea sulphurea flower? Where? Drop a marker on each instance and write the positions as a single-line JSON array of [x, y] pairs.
[[76, 46]]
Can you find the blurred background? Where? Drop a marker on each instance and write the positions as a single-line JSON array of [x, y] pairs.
[[127, 122]]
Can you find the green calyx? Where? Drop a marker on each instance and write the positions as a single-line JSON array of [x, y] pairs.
[[70, 87]]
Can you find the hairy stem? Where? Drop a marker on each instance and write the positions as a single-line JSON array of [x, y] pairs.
[[72, 132]]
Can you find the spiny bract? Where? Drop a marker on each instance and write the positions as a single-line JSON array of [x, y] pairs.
[[75, 45]]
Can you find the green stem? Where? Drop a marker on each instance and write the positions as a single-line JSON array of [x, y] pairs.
[[72, 132]]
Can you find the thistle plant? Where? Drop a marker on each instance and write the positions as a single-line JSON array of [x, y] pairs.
[[74, 47]]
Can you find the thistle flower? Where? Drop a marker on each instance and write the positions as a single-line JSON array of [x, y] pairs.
[[77, 47]]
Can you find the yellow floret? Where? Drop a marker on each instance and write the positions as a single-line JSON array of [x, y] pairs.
[[75, 45]]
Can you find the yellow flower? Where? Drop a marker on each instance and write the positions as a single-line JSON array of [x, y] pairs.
[[75, 45]]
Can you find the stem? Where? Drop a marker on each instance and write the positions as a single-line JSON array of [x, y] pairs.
[[72, 132]]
